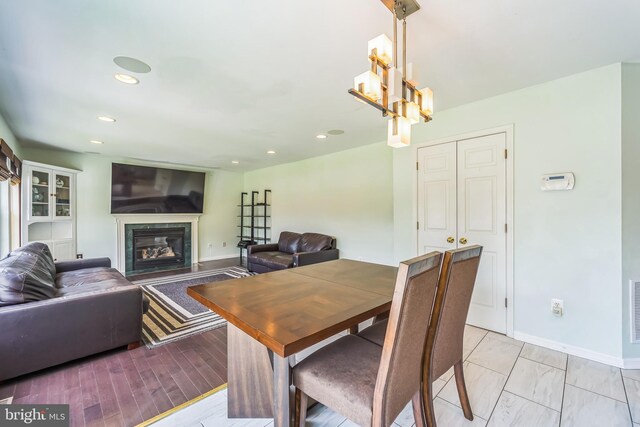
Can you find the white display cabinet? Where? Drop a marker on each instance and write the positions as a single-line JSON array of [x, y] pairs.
[[49, 208]]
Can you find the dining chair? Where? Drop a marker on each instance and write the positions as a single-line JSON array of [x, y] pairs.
[[444, 346], [445, 337], [371, 384]]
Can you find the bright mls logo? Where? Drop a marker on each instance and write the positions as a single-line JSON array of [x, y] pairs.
[[34, 415]]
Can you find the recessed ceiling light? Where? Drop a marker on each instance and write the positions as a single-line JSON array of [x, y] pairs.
[[131, 64], [106, 119], [336, 131], [95, 141], [235, 162], [126, 78], [271, 152], [321, 136]]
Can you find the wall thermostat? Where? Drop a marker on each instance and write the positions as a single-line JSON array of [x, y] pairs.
[[557, 181]]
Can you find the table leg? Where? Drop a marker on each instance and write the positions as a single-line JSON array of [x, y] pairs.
[[281, 391]]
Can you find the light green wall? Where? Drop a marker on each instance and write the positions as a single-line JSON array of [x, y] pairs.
[[97, 227], [630, 195], [566, 244], [346, 194]]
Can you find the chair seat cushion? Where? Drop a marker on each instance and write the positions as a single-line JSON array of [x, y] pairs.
[[342, 376], [274, 260], [375, 333]]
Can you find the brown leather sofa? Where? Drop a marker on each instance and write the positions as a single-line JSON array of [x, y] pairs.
[[292, 250], [52, 313]]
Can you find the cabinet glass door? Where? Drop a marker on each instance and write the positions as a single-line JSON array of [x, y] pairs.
[[63, 195], [40, 193]]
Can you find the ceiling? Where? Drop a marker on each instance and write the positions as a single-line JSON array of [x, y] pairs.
[[233, 79]]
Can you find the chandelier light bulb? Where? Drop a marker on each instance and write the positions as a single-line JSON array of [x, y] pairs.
[[399, 132], [426, 101], [394, 86], [381, 47], [368, 84], [412, 112]]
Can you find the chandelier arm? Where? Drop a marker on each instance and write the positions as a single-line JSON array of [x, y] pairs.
[[404, 60], [395, 35]]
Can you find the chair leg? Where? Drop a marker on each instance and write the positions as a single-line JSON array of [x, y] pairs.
[[462, 391], [427, 405], [300, 413], [418, 411], [353, 330]]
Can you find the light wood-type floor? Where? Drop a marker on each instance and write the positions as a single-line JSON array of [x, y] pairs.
[[510, 384]]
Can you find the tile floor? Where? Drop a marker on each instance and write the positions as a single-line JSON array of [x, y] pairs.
[[509, 383]]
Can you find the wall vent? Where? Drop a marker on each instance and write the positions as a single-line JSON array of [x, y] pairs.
[[634, 289]]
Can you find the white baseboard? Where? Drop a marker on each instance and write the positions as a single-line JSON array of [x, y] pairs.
[[217, 257], [573, 350], [631, 363]]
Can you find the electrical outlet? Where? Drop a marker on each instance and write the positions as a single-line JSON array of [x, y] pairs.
[[224, 244], [557, 307], [78, 256]]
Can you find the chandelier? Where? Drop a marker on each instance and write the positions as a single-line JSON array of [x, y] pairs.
[[390, 89]]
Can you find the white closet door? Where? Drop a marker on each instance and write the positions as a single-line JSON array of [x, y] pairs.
[[462, 197], [481, 221], [437, 198]]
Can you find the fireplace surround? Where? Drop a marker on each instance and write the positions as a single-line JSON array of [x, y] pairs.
[[126, 224], [156, 237]]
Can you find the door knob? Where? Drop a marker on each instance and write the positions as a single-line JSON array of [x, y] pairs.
[[463, 241], [450, 239]]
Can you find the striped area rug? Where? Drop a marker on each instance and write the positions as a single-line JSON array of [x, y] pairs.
[[174, 315]]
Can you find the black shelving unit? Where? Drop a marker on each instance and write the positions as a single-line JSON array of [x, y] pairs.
[[255, 227]]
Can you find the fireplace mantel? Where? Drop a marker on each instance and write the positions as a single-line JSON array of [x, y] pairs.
[[123, 219]]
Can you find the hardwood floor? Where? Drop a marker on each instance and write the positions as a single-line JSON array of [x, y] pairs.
[[126, 387]]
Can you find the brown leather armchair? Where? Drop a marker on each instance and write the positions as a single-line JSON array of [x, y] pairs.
[[292, 250]]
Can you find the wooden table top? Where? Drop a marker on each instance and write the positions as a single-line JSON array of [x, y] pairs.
[[290, 310]]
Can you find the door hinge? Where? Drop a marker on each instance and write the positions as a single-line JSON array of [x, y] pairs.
[[505, 303], [418, 225], [505, 228], [505, 153], [417, 166]]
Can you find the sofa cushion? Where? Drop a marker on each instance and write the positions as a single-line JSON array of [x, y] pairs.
[[94, 287], [42, 251], [289, 242], [24, 277], [314, 242], [82, 277], [273, 260]]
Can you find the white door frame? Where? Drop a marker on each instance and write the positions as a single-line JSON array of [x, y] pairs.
[[508, 131]]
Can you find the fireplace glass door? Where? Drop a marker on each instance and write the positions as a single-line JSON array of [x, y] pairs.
[[158, 248]]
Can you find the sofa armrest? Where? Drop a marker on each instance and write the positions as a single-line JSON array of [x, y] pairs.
[[49, 332], [261, 248], [307, 258], [79, 264]]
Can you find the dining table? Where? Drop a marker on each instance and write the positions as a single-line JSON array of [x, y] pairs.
[[273, 317]]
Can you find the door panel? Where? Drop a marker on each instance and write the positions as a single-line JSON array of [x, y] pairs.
[[437, 197], [481, 218], [480, 214]]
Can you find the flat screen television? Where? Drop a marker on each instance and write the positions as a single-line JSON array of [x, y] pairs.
[[144, 189]]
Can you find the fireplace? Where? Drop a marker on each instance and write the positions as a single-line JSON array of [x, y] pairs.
[[158, 247]]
